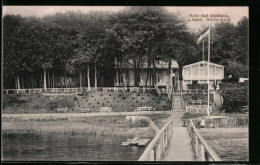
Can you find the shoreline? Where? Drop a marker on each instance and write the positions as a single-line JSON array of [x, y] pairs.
[[75, 115]]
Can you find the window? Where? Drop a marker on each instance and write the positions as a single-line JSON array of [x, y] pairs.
[[159, 77], [196, 72], [187, 72], [216, 72], [203, 72]]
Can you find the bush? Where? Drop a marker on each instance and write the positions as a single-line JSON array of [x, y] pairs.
[[139, 123], [188, 97], [234, 95], [59, 102], [9, 100], [198, 86]]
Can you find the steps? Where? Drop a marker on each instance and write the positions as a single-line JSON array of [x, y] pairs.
[[177, 103], [217, 99]]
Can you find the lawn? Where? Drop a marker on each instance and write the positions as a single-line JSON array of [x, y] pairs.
[[159, 119], [109, 125]]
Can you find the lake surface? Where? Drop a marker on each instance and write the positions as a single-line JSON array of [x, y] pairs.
[[230, 144], [55, 147]]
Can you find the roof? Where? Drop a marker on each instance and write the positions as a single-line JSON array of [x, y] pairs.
[[203, 62]]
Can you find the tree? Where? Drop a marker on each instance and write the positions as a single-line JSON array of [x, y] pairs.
[[148, 33], [230, 48]]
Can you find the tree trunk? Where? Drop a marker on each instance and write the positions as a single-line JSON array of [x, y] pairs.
[[127, 75], [53, 80], [22, 83], [142, 65], [31, 81], [138, 71], [65, 79], [135, 79], [89, 89], [170, 74], [28, 81], [148, 73], [80, 79], [18, 82], [44, 80], [95, 76], [34, 83], [48, 85], [153, 74]]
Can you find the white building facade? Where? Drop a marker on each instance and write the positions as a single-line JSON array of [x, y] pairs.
[[197, 73]]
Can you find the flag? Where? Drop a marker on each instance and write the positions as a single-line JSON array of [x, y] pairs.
[[203, 35]]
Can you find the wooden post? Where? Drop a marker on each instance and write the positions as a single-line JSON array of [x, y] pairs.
[[152, 155], [202, 152], [196, 147]]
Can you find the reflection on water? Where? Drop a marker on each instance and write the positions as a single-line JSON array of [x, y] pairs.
[[56, 147]]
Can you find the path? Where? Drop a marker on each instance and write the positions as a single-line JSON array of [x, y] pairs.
[[180, 146]]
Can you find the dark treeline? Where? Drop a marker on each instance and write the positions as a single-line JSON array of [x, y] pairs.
[[73, 49]]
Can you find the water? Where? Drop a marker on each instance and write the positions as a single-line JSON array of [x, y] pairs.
[[35, 147]]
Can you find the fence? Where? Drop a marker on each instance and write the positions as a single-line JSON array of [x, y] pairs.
[[201, 149], [76, 90], [224, 122], [196, 91], [157, 147], [197, 109]]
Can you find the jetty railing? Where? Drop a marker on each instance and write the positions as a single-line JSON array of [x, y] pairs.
[[201, 149], [156, 149]]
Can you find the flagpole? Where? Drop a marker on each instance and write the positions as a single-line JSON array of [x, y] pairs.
[[208, 69], [203, 50]]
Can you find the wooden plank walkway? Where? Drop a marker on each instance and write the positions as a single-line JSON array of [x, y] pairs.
[[180, 146]]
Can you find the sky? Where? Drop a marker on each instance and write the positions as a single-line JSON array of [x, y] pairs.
[[194, 22]]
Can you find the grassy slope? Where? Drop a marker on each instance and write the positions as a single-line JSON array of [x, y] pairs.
[[118, 101], [124, 101]]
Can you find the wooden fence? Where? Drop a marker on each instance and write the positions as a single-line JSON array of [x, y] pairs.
[[197, 109], [76, 90], [223, 122], [157, 147], [196, 91], [201, 149]]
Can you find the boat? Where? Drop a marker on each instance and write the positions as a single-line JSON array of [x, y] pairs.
[[134, 142], [125, 144], [143, 142]]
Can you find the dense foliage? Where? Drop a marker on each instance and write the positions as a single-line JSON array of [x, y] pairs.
[[198, 86], [235, 95], [41, 51], [229, 47]]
